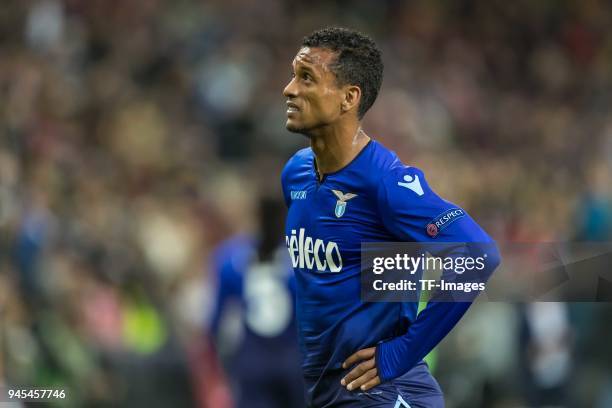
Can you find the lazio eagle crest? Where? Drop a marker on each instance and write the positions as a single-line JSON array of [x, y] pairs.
[[341, 203]]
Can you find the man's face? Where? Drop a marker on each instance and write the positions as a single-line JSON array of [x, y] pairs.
[[313, 96]]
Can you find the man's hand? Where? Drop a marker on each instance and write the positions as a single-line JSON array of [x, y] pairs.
[[365, 374]]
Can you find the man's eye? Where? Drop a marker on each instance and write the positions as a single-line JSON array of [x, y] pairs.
[[307, 77]]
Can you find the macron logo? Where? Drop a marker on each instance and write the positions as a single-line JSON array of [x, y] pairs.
[[298, 194], [412, 183]]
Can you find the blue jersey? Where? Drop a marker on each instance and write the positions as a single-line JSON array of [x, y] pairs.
[[375, 198], [265, 364], [264, 291]]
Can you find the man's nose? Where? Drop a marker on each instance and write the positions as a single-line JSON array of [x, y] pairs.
[[290, 89]]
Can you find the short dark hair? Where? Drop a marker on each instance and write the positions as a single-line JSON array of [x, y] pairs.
[[358, 61]]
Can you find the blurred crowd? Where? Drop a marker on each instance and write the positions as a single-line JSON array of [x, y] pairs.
[[135, 137]]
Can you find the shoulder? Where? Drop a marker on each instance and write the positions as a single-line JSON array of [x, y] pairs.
[[297, 169], [390, 171], [299, 163], [373, 163], [401, 185], [402, 177], [382, 159], [230, 255], [406, 187]]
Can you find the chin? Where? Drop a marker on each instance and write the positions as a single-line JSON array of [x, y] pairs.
[[294, 128]]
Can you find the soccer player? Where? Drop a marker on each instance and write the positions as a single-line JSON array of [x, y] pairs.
[[343, 190], [254, 272]]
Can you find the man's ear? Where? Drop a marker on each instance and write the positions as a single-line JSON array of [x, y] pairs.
[[352, 96]]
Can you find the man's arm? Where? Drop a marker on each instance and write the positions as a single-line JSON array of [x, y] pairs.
[[407, 206], [392, 358], [228, 281], [397, 356]]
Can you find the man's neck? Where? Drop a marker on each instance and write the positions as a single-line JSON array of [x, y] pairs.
[[337, 147]]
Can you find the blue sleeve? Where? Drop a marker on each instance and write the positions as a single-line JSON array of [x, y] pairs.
[[228, 283], [285, 181], [411, 211]]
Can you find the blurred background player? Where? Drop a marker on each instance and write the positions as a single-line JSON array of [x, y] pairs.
[[545, 350], [253, 274]]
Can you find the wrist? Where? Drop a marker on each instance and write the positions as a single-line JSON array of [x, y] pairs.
[[380, 360]]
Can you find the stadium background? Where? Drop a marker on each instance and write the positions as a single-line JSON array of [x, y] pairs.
[[135, 134]]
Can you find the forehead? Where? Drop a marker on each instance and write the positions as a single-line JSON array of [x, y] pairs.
[[316, 58]]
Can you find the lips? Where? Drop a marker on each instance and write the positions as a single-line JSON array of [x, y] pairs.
[[292, 107]]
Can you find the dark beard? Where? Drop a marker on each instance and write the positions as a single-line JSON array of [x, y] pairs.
[[303, 131]]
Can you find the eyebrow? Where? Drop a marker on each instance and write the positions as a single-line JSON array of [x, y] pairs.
[[304, 67], [304, 57]]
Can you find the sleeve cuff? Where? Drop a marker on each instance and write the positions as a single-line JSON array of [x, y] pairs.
[[383, 374]]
